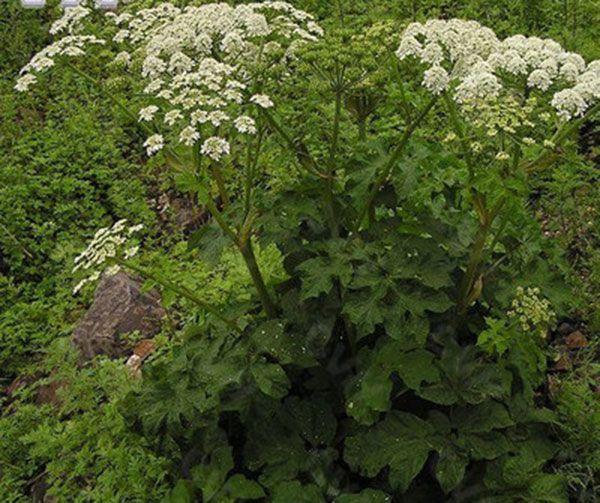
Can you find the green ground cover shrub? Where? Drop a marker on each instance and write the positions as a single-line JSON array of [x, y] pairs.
[[365, 315]]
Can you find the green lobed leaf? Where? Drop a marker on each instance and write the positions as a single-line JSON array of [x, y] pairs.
[[271, 379]]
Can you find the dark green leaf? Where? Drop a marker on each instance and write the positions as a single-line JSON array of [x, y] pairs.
[[271, 379]]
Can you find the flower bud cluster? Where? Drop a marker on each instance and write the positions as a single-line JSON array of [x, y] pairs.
[[531, 312], [484, 67], [107, 243]]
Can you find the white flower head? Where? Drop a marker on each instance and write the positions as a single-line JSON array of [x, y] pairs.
[[107, 245], [123, 58], [262, 100], [484, 86], [25, 82], [189, 136], [245, 124], [147, 113], [215, 148], [436, 79], [172, 117], [569, 103], [539, 79], [154, 143]]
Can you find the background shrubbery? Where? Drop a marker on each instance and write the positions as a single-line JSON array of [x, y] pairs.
[[211, 405]]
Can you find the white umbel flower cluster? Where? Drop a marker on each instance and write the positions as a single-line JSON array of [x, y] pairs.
[[71, 20], [215, 148], [71, 45], [483, 67], [107, 243], [198, 64]]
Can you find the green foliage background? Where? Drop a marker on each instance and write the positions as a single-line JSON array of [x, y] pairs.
[[71, 163]]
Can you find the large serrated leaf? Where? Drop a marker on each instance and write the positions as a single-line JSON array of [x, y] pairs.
[[271, 379], [271, 337], [481, 418], [402, 441], [211, 476], [416, 367], [450, 468]]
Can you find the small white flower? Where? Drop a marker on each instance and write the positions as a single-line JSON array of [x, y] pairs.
[[245, 124], [121, 36], [112, 270], [134, 228], [199, 117], [483, 85], [172, 117], [131, 252], [569, 103], [153, 144], [123, 58], [502, 156], [24, 82], [217, 117], [409, 46], [539, 79], [215, 147], [262, 100], [147, 114], [189, 136], [436, 79]]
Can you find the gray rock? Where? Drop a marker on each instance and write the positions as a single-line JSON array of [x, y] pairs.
[[119, 307]]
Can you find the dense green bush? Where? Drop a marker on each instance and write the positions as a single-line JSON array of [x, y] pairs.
[[365, 315]]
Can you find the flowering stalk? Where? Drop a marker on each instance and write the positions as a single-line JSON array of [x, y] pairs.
[[244, 245], [559, 136], [178, 289], [468, 293], [329, 196], [392, 160], [300, 150]]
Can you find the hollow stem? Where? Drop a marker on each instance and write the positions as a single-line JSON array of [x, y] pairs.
[[220, 181], [329, 182], [244, 244], [247, 252], [473, 267]]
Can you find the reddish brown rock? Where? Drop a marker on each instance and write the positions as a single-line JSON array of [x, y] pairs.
[[119, 307], [143, 348], [48, 394]]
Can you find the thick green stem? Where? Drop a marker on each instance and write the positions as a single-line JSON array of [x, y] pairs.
[[251, 164], [329, 183], [178, 289], [218, 176], [244, 245], [392, 160], [248, 253], [473, 267], [300, 150]]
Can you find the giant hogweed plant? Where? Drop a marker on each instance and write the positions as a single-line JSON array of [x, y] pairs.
[[391, 172]]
